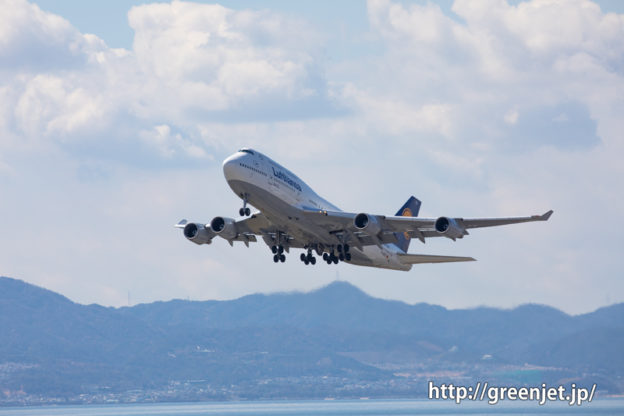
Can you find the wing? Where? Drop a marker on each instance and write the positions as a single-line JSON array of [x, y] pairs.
[[458, 227], [244, 230], [427, 258], [492, 222], [365, 229], [258, 224], [254, 225]]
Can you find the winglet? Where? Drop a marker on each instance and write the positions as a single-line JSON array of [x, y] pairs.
[[181, 224], [543, 217]]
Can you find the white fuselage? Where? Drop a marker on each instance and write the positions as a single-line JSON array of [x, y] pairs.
[[282, 196]]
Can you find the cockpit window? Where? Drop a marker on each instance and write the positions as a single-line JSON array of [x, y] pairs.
[[246, 151]]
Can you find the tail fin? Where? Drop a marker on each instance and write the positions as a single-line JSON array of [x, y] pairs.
[[409, 209]]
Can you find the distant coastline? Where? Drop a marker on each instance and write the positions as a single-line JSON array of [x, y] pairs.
[[334, 342]]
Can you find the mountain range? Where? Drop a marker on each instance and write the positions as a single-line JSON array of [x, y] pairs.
[[336, 341]]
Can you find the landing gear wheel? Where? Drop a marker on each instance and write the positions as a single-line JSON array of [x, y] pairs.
[[303, 257], [274, 249], [244, 211], [280, 249], [313, 260], [276, 258], [346, 248], [348, 256], [341, 257], [306, 261], [339, 248], [335, 260], [282, 258], [325, 256]]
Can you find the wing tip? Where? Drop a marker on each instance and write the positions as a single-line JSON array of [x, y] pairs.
[[546, 216], [181, 223]]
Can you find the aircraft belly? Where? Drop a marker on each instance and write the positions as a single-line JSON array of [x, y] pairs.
[[374, 256], [283, 215]]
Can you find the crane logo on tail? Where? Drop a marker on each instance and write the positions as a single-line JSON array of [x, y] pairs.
[[406, 213]]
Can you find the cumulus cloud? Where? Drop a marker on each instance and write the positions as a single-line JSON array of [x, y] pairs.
[[237, 54], [190, 62], [500, 57], [533, 91], [168, 144], [497, 109], [222, 63], [32, 40], [79, 122]]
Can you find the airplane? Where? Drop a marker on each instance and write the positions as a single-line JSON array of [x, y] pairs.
[[292, 216]]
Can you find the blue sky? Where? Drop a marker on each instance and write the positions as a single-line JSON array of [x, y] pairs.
[[115, 117]]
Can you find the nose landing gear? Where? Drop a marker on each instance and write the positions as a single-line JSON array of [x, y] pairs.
[[244, 211]]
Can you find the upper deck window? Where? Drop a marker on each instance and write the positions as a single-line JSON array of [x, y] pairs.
[[246, 151]]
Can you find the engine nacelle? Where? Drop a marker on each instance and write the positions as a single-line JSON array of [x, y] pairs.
[[224, 227], [198, 233], [367, 223], [448, 227]]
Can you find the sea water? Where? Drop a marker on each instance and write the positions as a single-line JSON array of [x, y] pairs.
[[324, 408]]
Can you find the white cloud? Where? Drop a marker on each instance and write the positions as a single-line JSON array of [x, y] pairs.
[[169, 144], [50, 107], [190, 62], [32, 40], [219, 59], [511, 116], [505, 110], [79, 121], [509, 73]]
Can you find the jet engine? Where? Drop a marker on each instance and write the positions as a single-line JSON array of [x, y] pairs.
[[367, 223], [224, 227], [198, 233], [448, 227]]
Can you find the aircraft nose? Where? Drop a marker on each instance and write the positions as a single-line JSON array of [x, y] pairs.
[[230, 166]]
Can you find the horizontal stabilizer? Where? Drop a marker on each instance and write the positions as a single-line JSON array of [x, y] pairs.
[[428, 258]]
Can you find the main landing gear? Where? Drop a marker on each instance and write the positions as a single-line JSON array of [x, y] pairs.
[[343, 254], [278, 252], [308, 258], [244, 211], [328, 257]]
